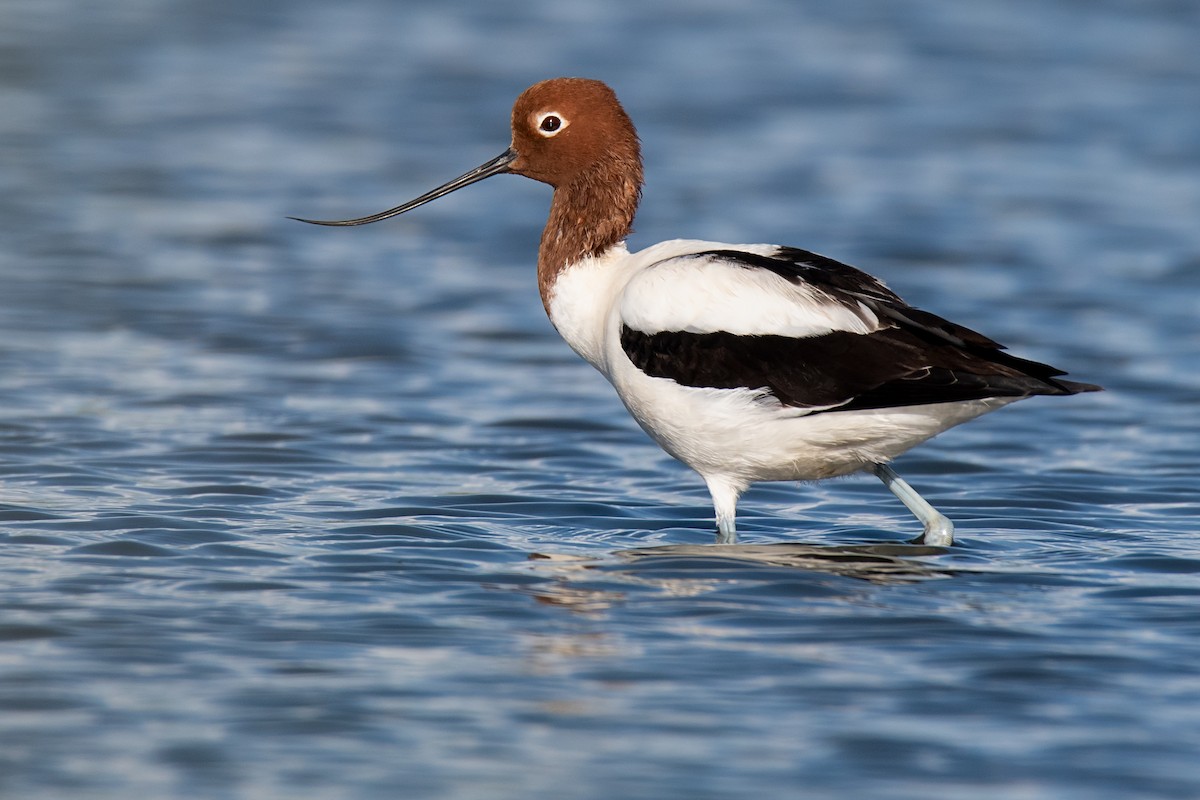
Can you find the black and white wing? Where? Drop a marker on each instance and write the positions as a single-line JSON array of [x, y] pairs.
[[812, 332]]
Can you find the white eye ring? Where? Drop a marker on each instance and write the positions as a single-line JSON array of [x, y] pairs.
[[550, 123]]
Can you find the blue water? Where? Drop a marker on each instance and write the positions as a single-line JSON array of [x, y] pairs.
[[289, 512]]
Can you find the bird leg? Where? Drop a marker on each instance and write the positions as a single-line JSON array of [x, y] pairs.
[[725, 496], [939, 531], [726, 530]]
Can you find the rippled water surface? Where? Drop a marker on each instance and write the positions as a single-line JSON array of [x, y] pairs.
[[289, 512]]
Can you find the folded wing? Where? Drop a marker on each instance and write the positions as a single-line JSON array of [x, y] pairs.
[[812, 332]]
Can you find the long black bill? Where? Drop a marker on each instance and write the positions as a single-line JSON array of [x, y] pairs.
[[497, 165]]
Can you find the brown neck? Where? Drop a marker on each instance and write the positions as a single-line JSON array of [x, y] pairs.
[[587, 216]]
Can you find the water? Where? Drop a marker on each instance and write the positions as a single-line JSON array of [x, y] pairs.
[[294, 512]]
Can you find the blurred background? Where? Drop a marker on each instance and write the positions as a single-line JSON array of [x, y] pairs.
[[298, 512]]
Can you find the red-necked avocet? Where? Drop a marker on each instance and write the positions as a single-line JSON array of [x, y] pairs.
[[746, 362]]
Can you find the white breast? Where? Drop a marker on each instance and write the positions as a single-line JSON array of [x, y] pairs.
[[583, 298]]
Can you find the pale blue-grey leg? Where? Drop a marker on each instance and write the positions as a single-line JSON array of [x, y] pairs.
[[726, 529], [725, 494], [939, 531]]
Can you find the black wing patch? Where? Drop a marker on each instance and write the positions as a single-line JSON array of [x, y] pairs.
[[920, 358]]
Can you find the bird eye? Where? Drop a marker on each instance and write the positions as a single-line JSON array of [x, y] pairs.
[[550, 123]]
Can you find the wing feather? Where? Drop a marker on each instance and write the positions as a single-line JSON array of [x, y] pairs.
[[847, 341]]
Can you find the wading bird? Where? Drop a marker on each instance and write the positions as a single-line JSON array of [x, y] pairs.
[[746, 362]]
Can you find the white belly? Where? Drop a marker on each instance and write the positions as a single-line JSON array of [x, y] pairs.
[[744, 435]]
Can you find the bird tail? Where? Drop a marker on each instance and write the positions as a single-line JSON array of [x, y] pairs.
[[1075, 387]]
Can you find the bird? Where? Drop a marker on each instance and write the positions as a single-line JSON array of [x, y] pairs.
[[746, 362]]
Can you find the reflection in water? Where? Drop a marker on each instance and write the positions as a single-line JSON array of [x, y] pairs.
[[576, 578], [878, 563], [688, 570]]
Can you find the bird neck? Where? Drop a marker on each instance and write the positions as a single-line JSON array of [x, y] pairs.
[[588, 215]]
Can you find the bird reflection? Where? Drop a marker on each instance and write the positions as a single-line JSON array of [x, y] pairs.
[[593, 585], [878, 563]]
